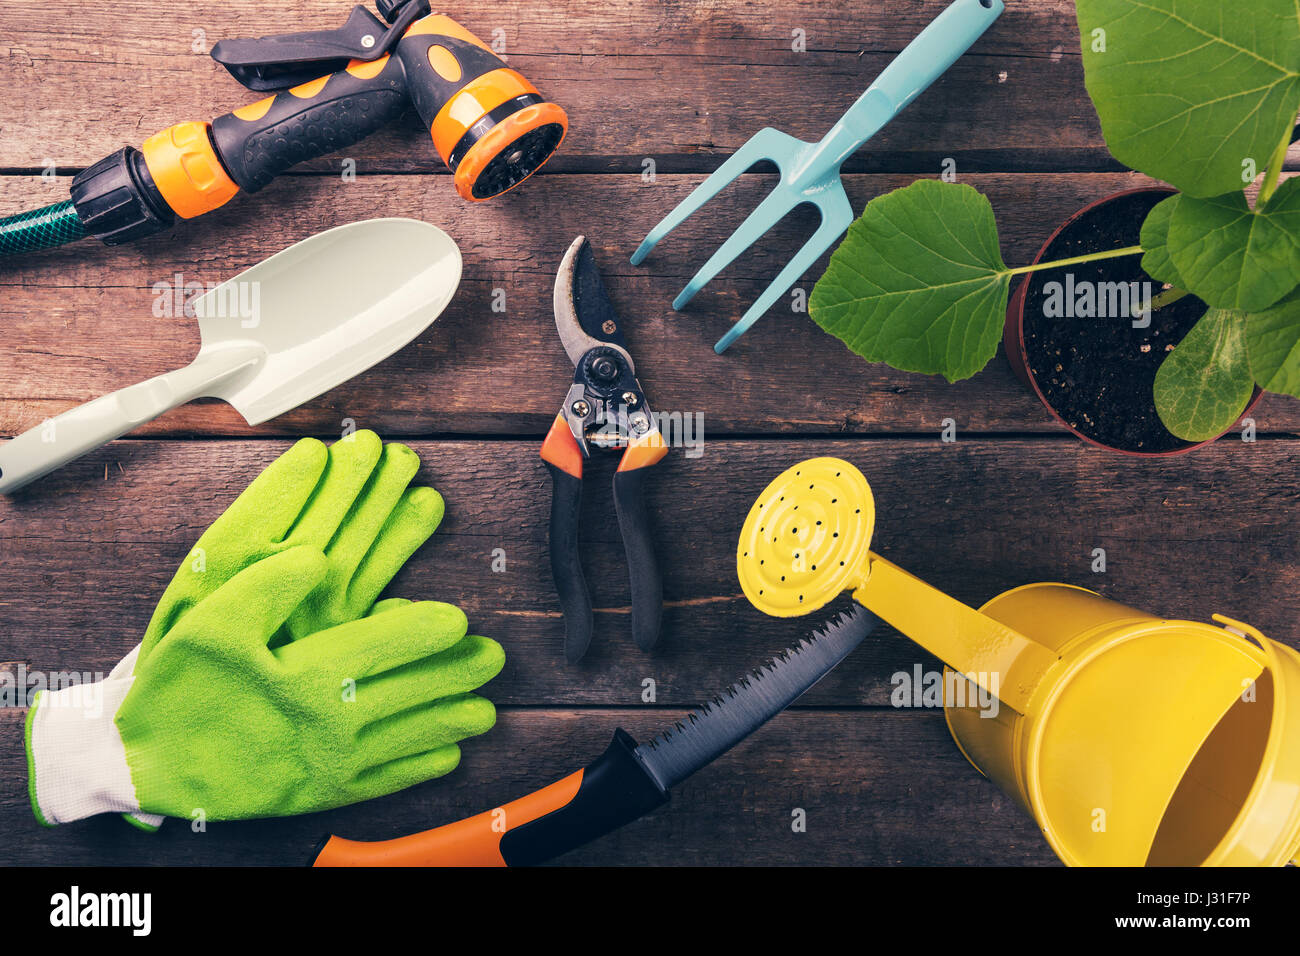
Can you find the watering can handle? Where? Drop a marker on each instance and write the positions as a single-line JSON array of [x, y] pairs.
[[922, 61], [1002, 661]]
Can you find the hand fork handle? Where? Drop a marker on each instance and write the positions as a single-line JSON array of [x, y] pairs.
[[921, 62]]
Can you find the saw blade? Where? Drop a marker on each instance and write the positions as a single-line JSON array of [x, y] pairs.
[[730, 717]]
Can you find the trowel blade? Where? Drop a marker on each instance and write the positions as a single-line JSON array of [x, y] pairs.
[[328, 308]]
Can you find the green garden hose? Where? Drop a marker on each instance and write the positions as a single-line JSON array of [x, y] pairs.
[[42, 228]]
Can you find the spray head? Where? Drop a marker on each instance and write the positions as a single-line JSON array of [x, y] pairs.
[[489, 123]]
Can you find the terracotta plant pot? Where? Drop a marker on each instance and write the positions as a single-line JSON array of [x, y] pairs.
[[1040, 350]]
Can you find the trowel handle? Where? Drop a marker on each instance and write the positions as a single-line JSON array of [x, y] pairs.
[[999, 659], [922, 61], [57, 441]]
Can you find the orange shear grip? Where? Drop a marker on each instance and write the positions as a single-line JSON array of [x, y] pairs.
[[643, 452], [561, 449]]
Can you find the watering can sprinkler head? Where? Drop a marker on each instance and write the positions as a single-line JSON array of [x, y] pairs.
[[808, 539]]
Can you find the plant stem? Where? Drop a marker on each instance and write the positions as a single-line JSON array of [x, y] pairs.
[[1161, 299], [1275, 164], [1077, 260], [1164, 298]]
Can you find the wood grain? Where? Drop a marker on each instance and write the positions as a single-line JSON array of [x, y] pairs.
[[678, 81], [876, 786], [86, 556], [80, 321]]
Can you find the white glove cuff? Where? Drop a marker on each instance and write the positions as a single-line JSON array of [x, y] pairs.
[[76, 762]]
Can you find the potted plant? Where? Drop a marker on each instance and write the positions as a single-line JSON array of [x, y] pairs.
[[1183, 301]]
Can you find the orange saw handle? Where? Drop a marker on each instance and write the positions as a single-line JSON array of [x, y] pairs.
[[616, 789]]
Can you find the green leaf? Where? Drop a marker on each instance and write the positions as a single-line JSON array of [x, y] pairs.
[[1234, 257], [1155, 236], [1189, 90], [918, 282], [1273, 345], [1205, 383]]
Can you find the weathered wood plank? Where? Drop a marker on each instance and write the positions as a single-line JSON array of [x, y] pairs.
[[86, 553], [85, 556], [679, 81], [79, 321], [877, 787]]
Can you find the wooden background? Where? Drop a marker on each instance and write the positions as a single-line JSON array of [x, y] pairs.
[[85, 553]]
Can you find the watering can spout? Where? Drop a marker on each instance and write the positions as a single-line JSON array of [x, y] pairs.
[[998, 658]]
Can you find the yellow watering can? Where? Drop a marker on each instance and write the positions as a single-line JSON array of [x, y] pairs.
[[1130, 739]]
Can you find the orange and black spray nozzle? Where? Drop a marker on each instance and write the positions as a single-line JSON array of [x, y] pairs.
[[329, 89]]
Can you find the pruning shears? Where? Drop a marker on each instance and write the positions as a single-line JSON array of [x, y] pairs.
[[605, 408]]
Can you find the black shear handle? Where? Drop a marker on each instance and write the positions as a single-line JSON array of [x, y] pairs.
[[643, 568], [566, 562]]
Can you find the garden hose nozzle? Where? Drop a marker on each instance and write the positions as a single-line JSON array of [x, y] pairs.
[[328, 90]]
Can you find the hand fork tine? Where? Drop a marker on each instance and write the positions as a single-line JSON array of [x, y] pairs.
[[837, 214], [753, 151], [775, 205]]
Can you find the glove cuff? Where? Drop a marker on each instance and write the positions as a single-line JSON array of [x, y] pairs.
[[146, 822], [76, 762]]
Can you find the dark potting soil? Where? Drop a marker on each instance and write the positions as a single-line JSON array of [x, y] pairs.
[[1093, 367]]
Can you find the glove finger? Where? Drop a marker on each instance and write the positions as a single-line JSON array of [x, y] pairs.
[[407, 771], [351, 462], [256, 602], [388, 604], [335, 603], [246, 532], [270, 505], [415, 731], [372, 645], [465, 666], [369, 519], [411, 523]]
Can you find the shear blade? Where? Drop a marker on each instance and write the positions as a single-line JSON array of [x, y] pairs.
[[584, 316]]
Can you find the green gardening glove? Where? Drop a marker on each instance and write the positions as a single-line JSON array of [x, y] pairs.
[[350, 501], [211, 719]]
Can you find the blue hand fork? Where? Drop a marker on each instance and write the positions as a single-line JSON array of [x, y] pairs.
[[810, 172]]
